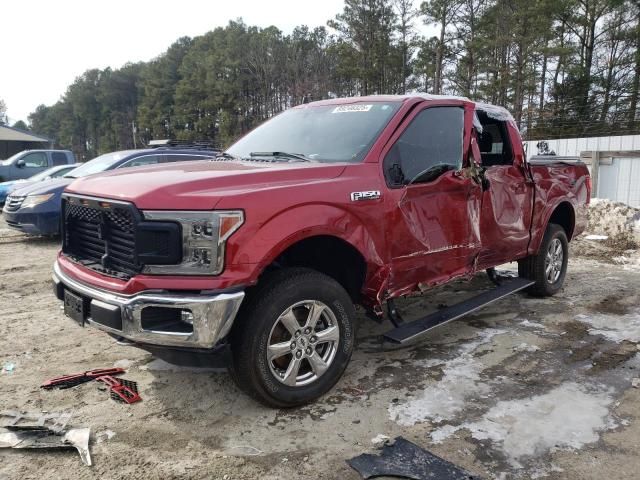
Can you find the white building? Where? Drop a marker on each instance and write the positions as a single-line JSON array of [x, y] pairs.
[[615, 175]]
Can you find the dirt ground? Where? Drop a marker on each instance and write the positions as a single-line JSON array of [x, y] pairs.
[[526, 388]]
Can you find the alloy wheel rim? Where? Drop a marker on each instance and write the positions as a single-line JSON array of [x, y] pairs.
[[553, 261], [303, 343]]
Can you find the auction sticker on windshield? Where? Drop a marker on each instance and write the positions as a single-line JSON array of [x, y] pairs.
[[352, 108]]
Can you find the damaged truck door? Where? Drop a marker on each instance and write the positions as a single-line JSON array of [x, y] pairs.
[[435, 236]]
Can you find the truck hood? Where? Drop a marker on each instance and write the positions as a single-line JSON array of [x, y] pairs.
[[55, 185], [199, 185]]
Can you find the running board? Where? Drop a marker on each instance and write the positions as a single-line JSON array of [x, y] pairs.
[[411, 330]]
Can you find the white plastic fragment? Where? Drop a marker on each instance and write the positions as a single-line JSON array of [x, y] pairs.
[[380, 440]]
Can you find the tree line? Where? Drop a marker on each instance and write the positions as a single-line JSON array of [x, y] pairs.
[[565, 68]]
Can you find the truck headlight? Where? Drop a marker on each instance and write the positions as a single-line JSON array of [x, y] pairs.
[[34, 200], [204, 236]]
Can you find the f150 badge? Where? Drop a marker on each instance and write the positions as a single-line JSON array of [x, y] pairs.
[[370, 195]]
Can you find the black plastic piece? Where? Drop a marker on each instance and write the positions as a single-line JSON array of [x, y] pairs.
[[106, 314], [216, 357], [407, 460], [411, 330], [159, 243]]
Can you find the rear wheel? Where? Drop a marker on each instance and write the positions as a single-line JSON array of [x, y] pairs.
[[549, 267], [293, 339]]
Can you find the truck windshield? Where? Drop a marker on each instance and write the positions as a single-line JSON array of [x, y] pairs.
[[97, 165], [329, 133]]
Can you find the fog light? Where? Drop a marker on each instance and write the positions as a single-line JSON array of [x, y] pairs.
[[186, 316]]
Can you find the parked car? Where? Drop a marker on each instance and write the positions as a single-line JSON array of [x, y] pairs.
[[27, 163], [35, 209], [328, 205], [53, 172]]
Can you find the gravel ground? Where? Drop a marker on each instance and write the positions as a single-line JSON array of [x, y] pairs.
[[526, 388]]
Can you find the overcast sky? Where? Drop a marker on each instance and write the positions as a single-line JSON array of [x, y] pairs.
[[46, 44]]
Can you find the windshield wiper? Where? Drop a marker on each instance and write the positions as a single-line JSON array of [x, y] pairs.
[[296, 156]]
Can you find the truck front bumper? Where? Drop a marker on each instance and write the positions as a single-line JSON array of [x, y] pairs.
[[155, 318]]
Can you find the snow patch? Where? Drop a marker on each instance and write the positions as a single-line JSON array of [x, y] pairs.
[[613, 219], [461, 380], [525, 347], [529, 324], [596, 237], [568, 416], [614, 327], [124, 363]]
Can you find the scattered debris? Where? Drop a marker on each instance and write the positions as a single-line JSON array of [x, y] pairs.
[[8, 367], [58, 420], [105, 435], [14, 436], [74, 379], [407, 460], [635, 383], [121, 390], [380, 441]]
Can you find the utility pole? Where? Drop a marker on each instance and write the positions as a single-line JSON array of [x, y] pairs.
[[133, 133]]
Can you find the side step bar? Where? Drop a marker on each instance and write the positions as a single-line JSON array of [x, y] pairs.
[[411, 330]]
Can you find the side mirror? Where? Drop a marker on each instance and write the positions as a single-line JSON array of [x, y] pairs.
[[20, 163]]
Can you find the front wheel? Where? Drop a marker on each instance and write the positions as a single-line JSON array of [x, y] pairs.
[[293, 339], [549, 267]]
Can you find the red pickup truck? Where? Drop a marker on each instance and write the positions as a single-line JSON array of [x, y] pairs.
[[265, 251]]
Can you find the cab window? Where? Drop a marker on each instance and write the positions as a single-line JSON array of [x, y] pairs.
[[35, 160], [430, 146], [495, 148]]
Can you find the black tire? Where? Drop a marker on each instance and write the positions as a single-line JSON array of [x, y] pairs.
[[260, 319], [534, 266]]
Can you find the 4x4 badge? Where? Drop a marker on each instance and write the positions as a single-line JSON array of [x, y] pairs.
[[370, 195]]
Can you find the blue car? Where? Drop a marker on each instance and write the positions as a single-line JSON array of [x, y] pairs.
[[35, 210], [53, 172]]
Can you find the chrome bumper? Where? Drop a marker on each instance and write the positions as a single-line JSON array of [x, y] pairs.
[[212, 315]]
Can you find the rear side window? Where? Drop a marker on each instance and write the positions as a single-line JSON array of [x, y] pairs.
[[495, 148], [430, 146], [145, 160], [184, 158], [59, 158], [35, 160]]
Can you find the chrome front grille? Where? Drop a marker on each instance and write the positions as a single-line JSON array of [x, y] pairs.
[[14, 202]]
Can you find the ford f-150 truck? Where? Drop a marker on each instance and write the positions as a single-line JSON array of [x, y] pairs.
[[265, 251]]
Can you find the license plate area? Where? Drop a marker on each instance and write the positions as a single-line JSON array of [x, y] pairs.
[[74, 307]]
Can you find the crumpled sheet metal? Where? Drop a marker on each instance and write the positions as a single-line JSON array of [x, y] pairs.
[[57, 420], [14, 436], [407, 460]]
